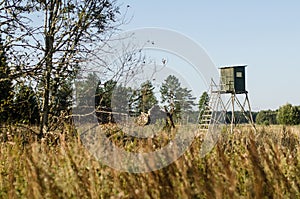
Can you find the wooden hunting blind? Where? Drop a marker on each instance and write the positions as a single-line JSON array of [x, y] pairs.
[[232, 82], [233, 79]]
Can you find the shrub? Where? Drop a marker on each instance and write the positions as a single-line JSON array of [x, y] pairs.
[[288, 115]]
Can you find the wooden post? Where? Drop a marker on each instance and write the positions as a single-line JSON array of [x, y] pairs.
[[232, 114]]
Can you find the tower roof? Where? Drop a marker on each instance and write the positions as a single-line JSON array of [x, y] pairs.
[[234, 66]]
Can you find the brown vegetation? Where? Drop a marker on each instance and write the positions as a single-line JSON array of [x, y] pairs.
[[242, 165]]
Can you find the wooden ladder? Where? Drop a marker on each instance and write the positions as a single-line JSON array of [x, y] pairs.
[[207, 116]]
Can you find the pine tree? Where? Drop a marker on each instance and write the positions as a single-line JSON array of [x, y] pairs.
[[104, 93], [26, 106], [169, 92], [133, 102], [103, 101], [187, 100], [6, 85], [147, 98], [85, 90], [120, 99], [62, 102], [179, 101]]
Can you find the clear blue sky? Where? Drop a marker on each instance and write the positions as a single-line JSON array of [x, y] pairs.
[[263, 34]]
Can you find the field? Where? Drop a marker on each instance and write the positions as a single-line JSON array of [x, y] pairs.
[[244, 164]]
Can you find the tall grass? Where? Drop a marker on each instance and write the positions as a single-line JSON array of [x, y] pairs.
[[241, 165]]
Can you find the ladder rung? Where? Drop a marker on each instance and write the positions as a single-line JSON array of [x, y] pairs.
[[204, 125], [205, 119]]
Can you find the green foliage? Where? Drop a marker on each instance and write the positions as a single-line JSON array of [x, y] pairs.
[[187, 100], [62, 102], [266, 117], [203, 102], [133, 102], [146, 98], [179, 100], [92, 94], [104, 93], [119, 98], [86, 88], [288, 115], [6, 87], [26, 108]]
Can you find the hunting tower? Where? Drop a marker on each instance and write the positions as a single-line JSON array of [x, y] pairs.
[[225, 96], [233, 79]]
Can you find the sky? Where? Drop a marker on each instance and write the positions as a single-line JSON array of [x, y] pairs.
[[265, 35]]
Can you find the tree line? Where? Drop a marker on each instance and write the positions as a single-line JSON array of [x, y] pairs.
[[21, 103], [111, 96], [287, 114], [44, 45]]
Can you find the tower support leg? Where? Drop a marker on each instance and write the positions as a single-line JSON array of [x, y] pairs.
[[232, 112], [250, 113], [249, 116]]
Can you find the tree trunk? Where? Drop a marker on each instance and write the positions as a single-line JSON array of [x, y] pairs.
[[45, 113], [49, 41]]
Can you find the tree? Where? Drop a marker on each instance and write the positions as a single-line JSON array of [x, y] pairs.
[[26, 108], [169, 90], [288, 115], [120, 102], [203, 102], [103, 101], [62, 103], [104, 94], [86, 89], [178, 100], [50, 50], [6, 89], [133, 102], [267, 117], [187, 100], [146, 98]]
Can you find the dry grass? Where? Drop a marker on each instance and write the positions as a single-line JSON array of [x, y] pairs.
[[242, 165]]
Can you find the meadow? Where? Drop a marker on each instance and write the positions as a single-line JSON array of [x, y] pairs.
[[243, 164]]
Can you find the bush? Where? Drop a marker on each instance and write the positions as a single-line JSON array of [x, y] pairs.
[[288, 115]]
